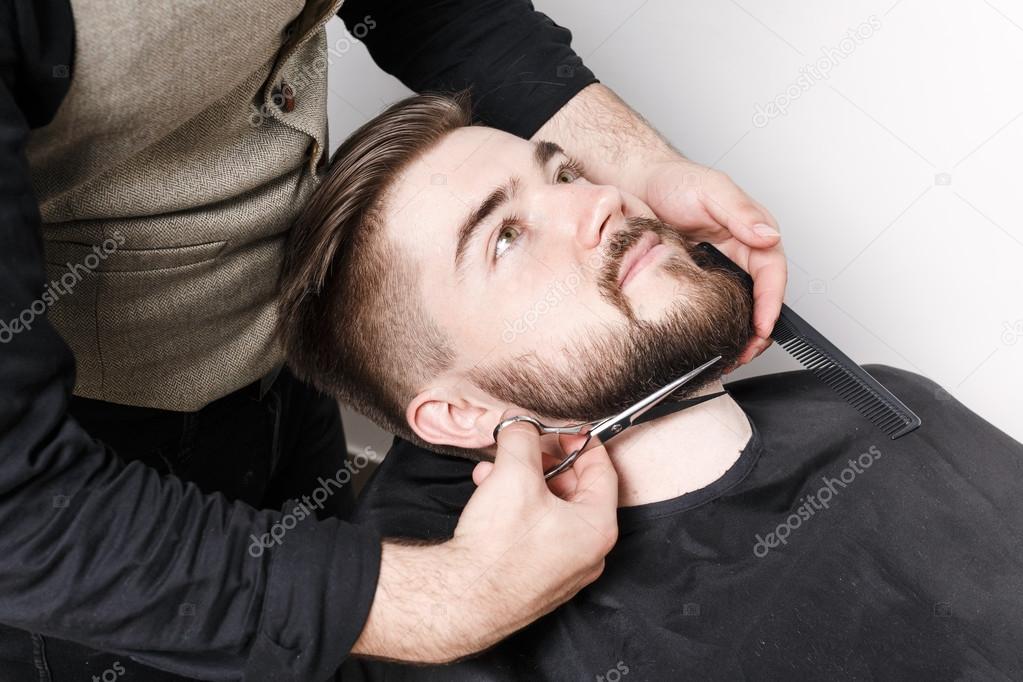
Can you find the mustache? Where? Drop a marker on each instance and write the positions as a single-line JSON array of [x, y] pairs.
[[635, 229], [621, 241], [619, 244]]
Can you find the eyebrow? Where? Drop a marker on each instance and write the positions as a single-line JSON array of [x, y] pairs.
[[543, 152]]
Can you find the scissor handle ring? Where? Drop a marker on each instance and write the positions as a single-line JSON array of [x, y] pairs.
[[518, 418], [563, 465]]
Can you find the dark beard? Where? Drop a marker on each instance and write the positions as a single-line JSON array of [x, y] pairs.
[[612, 368]]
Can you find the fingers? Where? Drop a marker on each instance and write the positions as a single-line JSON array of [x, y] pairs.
[[519, 451], [565, 484], [481, 471], [705, 203], [744, 218], [596, 480], [770, 273], [518, 446], [769, 218], [748, 353], [754, 348], [570, 442], [562, 485], [769, 270]]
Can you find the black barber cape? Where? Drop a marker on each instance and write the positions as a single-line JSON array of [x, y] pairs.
[[906, 563]]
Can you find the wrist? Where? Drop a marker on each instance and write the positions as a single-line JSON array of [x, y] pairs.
[[419, 612], [615, 143]]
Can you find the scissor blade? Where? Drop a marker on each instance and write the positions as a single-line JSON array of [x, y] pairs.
[[622, 420], [612, 426], [658, 396]]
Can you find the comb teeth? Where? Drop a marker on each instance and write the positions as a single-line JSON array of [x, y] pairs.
[[870, 403], [829, 364]]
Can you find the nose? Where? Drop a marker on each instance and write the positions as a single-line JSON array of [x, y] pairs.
[[597, 210]]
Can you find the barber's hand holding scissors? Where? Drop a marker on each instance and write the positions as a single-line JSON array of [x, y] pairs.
[[547, 542], [518, 552]]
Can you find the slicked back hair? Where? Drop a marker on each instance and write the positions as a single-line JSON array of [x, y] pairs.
[[351, 320]]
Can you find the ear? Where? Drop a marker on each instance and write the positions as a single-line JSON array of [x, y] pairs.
[[442, 417]]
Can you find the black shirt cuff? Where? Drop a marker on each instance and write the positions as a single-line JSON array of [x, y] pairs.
[[339, 586]]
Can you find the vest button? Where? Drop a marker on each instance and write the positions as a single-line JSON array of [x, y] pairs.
[[287, 98]]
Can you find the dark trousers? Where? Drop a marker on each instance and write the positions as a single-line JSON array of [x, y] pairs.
[[262, 445]]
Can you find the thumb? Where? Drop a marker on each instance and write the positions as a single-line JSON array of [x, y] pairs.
[[597, 480], [518, 448], [481, 471]]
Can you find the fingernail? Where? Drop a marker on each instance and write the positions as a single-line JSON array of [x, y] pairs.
[[765, 230]]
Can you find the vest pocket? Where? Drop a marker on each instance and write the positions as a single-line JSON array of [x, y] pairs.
[[111, 255]]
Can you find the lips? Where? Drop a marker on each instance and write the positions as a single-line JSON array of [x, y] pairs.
[[634, 255]]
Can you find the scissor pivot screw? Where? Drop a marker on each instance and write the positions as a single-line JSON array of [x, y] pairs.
[[616, 428]]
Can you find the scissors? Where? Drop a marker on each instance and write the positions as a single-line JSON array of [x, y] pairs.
[[603, 430]]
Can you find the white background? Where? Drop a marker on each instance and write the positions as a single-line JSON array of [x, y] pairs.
[[895, 180]]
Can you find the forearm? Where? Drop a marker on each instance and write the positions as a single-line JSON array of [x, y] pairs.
[[114, 556], [432, 605], [615, 143], [414, 587]]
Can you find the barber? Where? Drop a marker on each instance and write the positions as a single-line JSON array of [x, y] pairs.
[[152, 156]]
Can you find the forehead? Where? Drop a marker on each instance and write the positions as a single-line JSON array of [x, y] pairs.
[[430, 197]]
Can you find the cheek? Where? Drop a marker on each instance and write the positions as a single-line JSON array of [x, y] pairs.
[[535, 307], [546, 321]]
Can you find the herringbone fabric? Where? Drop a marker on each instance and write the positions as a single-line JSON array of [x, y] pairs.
[[171, 144]]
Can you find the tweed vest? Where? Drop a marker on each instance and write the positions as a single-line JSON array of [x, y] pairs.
[[192, 134]]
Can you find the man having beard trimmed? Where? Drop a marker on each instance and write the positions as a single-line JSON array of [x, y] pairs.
[[768, 533]]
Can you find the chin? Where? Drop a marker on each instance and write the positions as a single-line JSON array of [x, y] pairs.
[[654, 293]]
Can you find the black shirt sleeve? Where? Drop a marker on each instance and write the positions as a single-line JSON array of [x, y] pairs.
[[518, 63], [112, 555]]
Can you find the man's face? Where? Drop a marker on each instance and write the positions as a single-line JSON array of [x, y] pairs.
[[558, 295]]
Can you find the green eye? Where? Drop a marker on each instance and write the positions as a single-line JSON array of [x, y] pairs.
[[507, 235], [569, 171]]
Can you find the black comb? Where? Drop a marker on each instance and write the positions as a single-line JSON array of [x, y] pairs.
[[830, 365]]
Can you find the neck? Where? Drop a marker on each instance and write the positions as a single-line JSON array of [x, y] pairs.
[[680, 452]]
